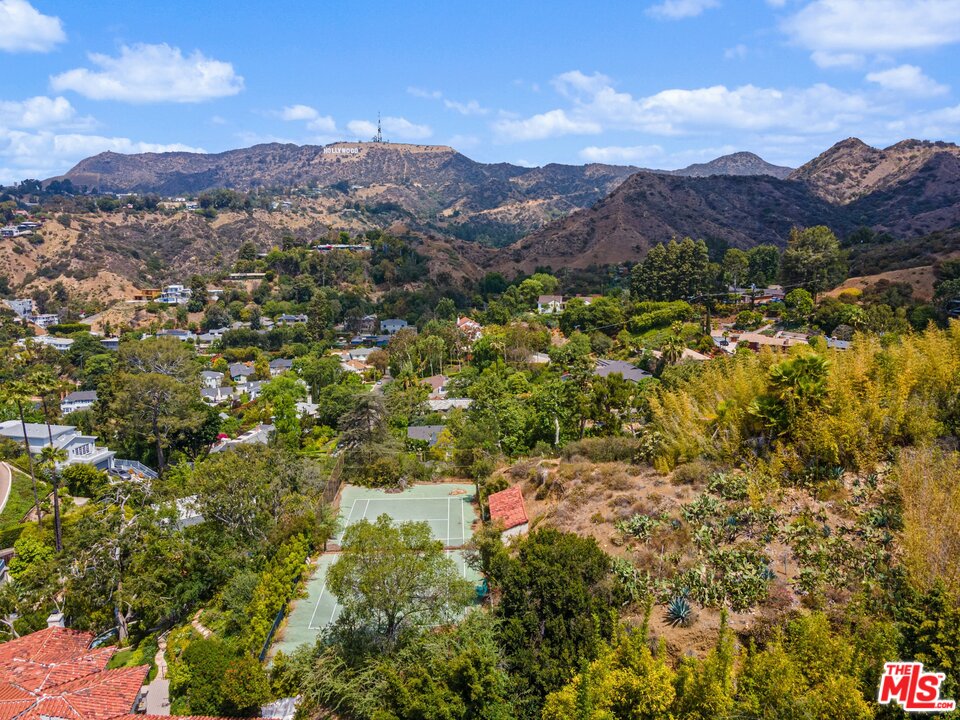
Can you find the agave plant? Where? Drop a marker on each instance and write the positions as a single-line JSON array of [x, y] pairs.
[[680, 613]]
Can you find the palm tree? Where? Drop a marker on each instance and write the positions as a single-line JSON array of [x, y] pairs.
[[50, 459], [45, 384], [19, 392]]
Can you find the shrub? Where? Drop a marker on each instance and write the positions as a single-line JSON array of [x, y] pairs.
[[695, 472]]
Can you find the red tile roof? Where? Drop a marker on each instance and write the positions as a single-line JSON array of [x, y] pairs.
[[507, 507], [53, 673]]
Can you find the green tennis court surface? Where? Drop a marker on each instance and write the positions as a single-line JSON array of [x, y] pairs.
[[446, 507]]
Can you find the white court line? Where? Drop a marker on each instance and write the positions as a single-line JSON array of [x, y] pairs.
[[365, 509], [317, 605], [448, 522]]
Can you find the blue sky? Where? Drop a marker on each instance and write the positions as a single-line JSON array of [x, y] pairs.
[[656, 83]]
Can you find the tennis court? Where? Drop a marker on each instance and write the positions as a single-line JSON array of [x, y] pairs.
[[446, 507]]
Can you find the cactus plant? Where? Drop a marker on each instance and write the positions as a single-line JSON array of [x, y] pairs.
[[680, 613]]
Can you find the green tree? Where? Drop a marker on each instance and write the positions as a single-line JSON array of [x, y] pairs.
[[799, 306], [736, 266], [393, 578], [813, 260], [763, 265], [556, 600]]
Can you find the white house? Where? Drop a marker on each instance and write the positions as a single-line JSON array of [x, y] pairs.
[[216, 395], [550, 304], [175, 295], [260, 435], [280, 365], [392, 325], [78, 400], [57, 343], [23, 307], [45, 320], [80, 448], [211, 378]]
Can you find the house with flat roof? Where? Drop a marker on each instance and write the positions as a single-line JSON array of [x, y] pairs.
[[80, 448], [259, 435]]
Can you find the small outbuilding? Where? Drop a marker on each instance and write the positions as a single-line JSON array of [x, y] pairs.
[[507, 508]]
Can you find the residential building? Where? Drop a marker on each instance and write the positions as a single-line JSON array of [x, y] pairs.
[[45, 320], [80, 448], [425, 433], [175, 295], [471, 328], [181, 335], [368, 325], [239, 372], [550, 304], [252, 389], [211, 378], [57, 343], [437, 385], [361, 353], [280, 365], [110, 343], [78, 400], [507, 508], [216, 395], [55, 673], [392, 325], [627, 370], [445, 405], [779, 341], [291, 319], [538, 358], [260, 435], [687, 355], [22, 307]]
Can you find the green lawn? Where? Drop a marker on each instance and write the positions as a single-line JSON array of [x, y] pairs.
[[21, 498]]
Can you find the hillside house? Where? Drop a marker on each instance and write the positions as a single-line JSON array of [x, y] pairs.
[[259, 435], [240, 372], [45, 320], [437, 385], [175, 295], [550, 304], [629, 371], [80, 448], [211, 378], [78, 400], [392, 325], [61, 344], [471, 328], [280, 365], [22, 307]]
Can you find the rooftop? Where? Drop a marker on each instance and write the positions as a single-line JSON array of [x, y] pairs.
[[507, 507]]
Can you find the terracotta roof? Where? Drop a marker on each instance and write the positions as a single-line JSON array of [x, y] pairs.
[[507, 507], [53, 673]]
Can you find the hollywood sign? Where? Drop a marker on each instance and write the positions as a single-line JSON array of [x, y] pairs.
[[341, 151]]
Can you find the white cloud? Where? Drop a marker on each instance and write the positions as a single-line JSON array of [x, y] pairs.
[[298, 112], [394, 127], [152, 73], [553, 123], [37, 112], [680, 9], [575, 82], [908, 80], [421, 93], [45, 153], [615, 154], [322, 124], [24, 29], [737, 52], [855, 26], [826, 59], [471, 107], [596, 107]]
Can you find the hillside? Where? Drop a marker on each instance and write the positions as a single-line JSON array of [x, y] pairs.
[[650, 208], [740, 163], [910, 189], [851, 169]]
